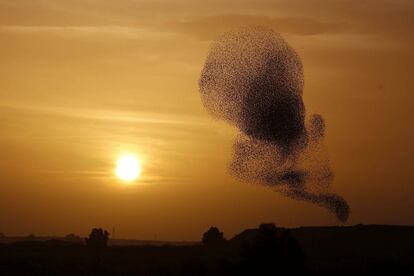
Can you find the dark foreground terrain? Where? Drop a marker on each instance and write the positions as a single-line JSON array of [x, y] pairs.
[[266, 250]]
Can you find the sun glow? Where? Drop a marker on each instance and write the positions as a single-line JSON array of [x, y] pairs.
[[128, 168]]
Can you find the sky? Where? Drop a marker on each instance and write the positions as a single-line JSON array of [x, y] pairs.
[[85, 81]]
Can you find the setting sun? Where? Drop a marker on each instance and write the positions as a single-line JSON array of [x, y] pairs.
[[128, 168]]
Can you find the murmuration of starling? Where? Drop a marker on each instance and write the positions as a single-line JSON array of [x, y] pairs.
[[253, 80]]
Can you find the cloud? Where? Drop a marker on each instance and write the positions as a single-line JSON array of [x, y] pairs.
[[392, 20], [207, 27], [86, 31], [108, 115]]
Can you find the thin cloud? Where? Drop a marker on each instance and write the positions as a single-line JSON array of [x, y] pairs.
[[207, 27], [119, 31], [110, 115]]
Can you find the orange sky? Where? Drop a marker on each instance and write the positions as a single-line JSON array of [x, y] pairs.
[[84, 81]]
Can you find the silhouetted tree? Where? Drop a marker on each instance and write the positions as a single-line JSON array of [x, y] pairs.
[[267, 230], [266, 246], [213, 237], [98, 238], [293, 253], [271, 253], [263, 254]]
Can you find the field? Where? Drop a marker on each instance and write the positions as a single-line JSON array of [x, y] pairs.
[[358, 248]]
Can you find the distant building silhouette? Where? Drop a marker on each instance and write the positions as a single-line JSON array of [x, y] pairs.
[[30, 237], [72, 238]]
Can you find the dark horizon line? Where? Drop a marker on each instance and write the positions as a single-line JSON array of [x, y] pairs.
[[48, 237]]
